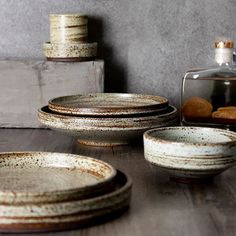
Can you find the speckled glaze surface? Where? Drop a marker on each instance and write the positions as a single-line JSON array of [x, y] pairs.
[[70, 51], [38, 177], [190, 153], [106, 131], [68, 28], [108, 104], [66, 215]]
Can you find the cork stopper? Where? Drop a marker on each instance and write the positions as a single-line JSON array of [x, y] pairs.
[[224, 51], [224, 44]]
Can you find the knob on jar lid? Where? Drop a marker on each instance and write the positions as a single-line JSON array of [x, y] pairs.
[[224, 44]]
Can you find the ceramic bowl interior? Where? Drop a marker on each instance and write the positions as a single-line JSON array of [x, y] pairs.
[[195, 135]]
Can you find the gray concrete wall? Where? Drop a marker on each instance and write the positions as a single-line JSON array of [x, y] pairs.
[[147, 44]]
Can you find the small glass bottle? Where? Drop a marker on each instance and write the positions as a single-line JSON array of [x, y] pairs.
[[208, 96]]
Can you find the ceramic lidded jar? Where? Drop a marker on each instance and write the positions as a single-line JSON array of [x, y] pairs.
[[68, 28]]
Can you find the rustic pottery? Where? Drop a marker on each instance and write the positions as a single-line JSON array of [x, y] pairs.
[[70, 51], [38, 177], [69, 39], [108, 104], [68, 28], [190, 154], [106, 131], [35, 217]]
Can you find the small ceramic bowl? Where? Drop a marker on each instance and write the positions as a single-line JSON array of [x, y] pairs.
[[70, 51], [105, 131], [190, 154]]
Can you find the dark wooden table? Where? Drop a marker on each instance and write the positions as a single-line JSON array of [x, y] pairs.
[[158, 206]]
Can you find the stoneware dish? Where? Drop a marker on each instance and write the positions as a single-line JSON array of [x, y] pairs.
[[190, 154], [108, 104], [105, 131], [39, 177], [68, 28], [32, 217], [70, 51]]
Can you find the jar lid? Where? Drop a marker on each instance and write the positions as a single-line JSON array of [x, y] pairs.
[[224, 44]]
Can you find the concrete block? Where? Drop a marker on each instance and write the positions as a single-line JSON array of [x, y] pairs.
[[26, 85]]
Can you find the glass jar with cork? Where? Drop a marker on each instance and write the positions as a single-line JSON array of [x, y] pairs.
[[208, 96]]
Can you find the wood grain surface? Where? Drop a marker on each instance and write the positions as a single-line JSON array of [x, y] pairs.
[[158, 206]]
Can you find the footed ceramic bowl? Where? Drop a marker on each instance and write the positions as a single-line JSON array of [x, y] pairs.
[[106, 131], [190, 154]]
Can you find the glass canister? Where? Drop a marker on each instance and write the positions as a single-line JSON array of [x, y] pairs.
[[208, 96]]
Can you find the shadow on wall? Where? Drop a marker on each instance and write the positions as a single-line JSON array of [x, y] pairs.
[[115, 76]]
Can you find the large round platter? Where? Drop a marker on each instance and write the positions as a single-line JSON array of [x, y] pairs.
[[106, 131], [39, 177], [69, 214], [108, 104]]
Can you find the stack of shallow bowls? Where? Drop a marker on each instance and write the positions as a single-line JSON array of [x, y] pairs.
[[42, 191], [107, 119]]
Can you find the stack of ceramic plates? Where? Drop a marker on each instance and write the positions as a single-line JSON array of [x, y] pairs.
[[41, 191], [107, 119]]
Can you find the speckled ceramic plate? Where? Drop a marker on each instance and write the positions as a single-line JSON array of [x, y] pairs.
[[68, 214], [108, 104], [39, 177], [106, 131], [70, 51]]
